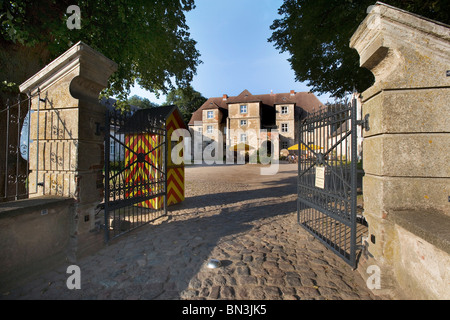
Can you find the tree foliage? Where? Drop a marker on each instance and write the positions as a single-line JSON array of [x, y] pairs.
[[317, 34], [148, 39], [141, 102], [187, 100]]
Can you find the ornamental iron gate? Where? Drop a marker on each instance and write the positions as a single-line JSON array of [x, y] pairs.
[[135, 169], [327, 178]]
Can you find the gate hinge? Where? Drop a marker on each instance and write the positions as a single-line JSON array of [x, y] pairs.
[[364, 123], [98, 129]]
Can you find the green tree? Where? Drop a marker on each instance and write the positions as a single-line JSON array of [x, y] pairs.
[[186, 99], [148, 39], [317, 33], [140, 102]]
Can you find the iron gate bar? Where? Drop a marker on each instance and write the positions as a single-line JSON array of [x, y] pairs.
[[106, 206], [353, 189], [117, 204], [335, 216]]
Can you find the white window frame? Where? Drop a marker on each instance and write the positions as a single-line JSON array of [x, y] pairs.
[[284, 127], [284, 109], [243, 108], [210, 114], [112, 147], [243, 123], [243, 137], [209, 129]]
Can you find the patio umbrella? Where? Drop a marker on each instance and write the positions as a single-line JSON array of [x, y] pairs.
[[312, 146]]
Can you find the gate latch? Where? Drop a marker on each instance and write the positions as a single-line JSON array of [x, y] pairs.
[[364, 123]]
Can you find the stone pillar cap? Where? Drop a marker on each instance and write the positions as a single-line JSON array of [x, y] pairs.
[[402, 49], [384, 21], [68, 61]]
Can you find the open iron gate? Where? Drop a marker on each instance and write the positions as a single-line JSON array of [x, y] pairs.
[[327, 177], [135, 170]]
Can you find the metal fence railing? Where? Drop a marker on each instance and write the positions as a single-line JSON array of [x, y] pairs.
[[16, 134]]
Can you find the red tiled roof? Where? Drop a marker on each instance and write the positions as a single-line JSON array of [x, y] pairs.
[[305, 100], [211, 103]]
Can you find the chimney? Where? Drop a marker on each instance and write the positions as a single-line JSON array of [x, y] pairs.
[[271, 93], [225, 97], [292, 93]]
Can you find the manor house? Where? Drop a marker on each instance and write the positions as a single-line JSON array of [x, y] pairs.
[[235, 118]]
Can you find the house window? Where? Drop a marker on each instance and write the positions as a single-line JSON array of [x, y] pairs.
[[243, 137], [210, 115], [284, 145], [243, 109], [209, 129], [284, 127], [243, 123], [112, 147], [284, 110], [116, 150]]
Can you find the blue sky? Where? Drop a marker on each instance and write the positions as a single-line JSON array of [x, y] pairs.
[[232, 38]]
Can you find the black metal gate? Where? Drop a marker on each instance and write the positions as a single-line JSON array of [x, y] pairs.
[[327, 180], [135, 170]]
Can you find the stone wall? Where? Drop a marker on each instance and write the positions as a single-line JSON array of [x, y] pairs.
[[35, 235], [407, 150]]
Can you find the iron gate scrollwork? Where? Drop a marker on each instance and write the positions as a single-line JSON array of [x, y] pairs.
[[135, 170], [327, 178]]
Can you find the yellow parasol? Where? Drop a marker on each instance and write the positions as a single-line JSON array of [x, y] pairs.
[[241, 147], [311, 146]]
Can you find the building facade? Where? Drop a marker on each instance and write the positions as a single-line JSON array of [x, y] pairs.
[[249, 119]]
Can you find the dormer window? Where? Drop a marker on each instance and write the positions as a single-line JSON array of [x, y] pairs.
[[243, 109], [210, 115]]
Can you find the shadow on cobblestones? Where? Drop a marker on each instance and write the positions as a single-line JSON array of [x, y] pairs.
[[246, 221], [159, 261]]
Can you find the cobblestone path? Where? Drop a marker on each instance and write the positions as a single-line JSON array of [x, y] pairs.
[[233, 214]]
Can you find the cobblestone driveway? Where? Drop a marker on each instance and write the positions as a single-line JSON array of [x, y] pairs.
[[233, 214]]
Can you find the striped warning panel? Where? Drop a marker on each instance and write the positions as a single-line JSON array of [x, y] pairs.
[[175, 185], [175, 175], [173, 123]]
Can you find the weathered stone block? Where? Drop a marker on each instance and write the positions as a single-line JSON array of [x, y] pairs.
[[408, 111], [384, 194], [90, 155], [423, 270], [90, 187], [55, 124], [52, 183], [408, 155], [54, 155]]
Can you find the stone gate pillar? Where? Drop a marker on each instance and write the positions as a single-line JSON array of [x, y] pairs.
[[66, 156], [407, 149]]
